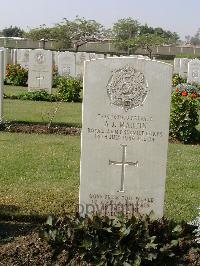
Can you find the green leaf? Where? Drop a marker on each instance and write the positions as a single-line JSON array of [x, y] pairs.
[[49, 220]]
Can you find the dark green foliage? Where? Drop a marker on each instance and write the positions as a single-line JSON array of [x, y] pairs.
[[16, 75], [176, 79], [69, 89], [12, 32], [41, 95], [184, 116], [120, 242]]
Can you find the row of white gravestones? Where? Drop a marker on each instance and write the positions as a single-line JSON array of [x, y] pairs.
[[126, 104], [188, 68], [40, 70]]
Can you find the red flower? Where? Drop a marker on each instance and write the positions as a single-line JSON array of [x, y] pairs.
[[177, 90], [184, 93]]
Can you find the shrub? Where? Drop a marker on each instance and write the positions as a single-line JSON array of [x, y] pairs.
[[137, 241], [184, 113], [16, 75], [176, 79], [69, 89], [40, 95]]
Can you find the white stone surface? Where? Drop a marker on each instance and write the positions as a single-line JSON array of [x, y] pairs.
[[126, 104], [14, 56], [183, 71], [66, 64], [99, 56], [80, 58], [6, 60], [40, 70], [23, 57], [1, 83], [194, 71], [92, 56], [176, 65]]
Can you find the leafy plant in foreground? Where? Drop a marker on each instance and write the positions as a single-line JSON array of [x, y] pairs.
[[104, 241]]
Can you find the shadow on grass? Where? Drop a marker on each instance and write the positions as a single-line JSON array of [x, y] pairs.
[[57, 124], [14, 224]]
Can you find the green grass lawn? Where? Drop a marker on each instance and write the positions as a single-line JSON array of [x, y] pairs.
[[40, 175], [40, 112]]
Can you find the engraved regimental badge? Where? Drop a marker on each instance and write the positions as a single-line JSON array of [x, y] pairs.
[[127, 88], [40, 58]]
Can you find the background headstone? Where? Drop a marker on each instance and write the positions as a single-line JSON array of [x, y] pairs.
[[124, 136], [40, 70], [176, 65], [6, 60], [194, 71], [66, 64], [14, 56], [23, 57], [183, 70], [80, 58]]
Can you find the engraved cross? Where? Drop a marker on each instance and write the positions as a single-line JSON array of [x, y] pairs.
[[40, 78], [123, 163]]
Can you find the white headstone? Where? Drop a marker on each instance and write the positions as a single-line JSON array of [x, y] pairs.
[[66, 64], [23, 57], [126, 105], [183, 71], [40, 70], [194, 71], [80, 58], [14, 56], [6, 59], [176, 65], [1, 83]]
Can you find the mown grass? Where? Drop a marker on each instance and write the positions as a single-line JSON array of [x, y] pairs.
[[40, 112], [40, 175]]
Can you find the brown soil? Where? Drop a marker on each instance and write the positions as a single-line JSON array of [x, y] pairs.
[[42, 129]]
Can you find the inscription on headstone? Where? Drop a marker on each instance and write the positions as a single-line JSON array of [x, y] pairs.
[[124, 136]]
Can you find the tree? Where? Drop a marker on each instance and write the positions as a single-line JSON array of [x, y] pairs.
[[69, 34], [147, 42], [125, 30], [195, 40], [12, 32]]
